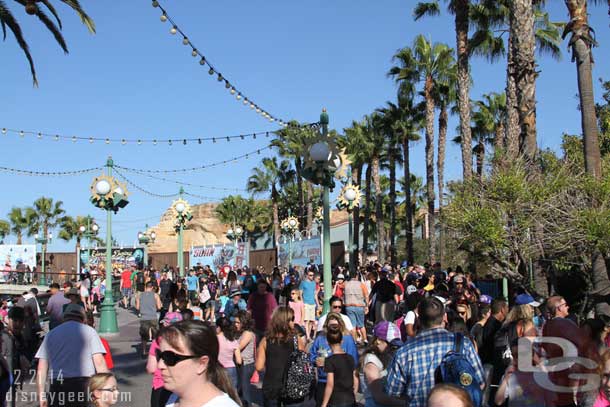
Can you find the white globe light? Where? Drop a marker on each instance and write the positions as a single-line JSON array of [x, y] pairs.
[[180, 207], [350, 194], [50, 235], [153, 235], [320, 152], [82, 229], [102, 187], [36, 236], [95, 227], [140, 235], [292, 222], [230, 231], [119, 190], [238, 230]]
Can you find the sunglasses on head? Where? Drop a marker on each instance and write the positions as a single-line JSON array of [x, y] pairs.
[[171, 358]]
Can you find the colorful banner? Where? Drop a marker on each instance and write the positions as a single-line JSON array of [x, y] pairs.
[[219, 256], [11, 254], [121, 258], [303, 252]]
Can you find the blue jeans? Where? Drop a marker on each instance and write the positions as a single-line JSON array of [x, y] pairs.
[[245, 373], [356, 316], [232, 373]]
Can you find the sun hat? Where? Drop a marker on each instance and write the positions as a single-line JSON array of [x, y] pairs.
[[388, 331], [526, 299], [234, 293]]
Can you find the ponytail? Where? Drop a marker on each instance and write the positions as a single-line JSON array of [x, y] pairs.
[[217, 375]]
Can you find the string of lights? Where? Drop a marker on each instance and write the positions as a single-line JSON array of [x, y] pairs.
[[155, 195], [188, 184], [205, 62], [137, 141], [199, 168], [49, 173]]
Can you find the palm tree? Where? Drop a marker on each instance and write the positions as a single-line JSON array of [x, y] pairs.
[[5, 229], [253, 216], [270, 178], [70, 228], [20, 223], [44, 215], [431, 64], [461, 11], [31, 7]]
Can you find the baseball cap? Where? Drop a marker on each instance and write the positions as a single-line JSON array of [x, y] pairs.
[[485, 299], [388, 331], [523, 299], [411, 289], [74, 311]]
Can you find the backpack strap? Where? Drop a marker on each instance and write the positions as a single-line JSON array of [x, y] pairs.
[[459, 341]]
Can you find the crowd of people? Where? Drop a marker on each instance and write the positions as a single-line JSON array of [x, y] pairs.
[[390, 336]]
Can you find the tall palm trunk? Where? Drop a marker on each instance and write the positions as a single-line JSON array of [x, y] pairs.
[[276, 216], [367, 213], [499, 137], [298, 169], [356, 180], [408, 207], [378, 210], [581, 54], [309, 204], [19, 238], [463, 82], [512, 114], [440, 170], [524, 70], [480, 149], [392, 231], [430, 167]]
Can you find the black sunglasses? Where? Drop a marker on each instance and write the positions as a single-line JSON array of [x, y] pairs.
[[171, 358]]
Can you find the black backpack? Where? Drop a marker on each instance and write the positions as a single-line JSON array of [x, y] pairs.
[[140, 278], [299, 375]]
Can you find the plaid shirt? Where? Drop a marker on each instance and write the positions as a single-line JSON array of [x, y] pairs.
[[411, 372]]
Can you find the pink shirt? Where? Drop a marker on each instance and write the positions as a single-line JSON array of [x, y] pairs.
[[297, 307], [226, 350], [157, 381]]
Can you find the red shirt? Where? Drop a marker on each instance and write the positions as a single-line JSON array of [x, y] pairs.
[[126, 279], [107, 355]]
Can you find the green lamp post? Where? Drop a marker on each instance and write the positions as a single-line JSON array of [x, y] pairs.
[[89, 232], [290, 227], [349, 199], [145, 238], [322, 161], [182, 213], [42, 240], [109, 194]]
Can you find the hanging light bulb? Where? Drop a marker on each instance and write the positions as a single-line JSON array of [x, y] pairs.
[[4, 130], [219, 78], [91, 140], [211, 71], [163, 18], [228, 138], [21, 133], [123, 141], [214, 140], [184, 141], [232, 91], [254, 136], [202, 61], [258, 110], [155, 3], [173, 30], [199, 141], [241, 136], [139, 142], [227, 84], [185, 41], [170, 142], [251, 105], [74, 139], [107, 141], [154, 142], [39, 136], [238, 96], [246, 101], [194, 53]]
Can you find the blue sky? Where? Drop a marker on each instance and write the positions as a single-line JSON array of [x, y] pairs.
[[133, 79]]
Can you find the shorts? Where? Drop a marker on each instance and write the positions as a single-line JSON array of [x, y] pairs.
[[146, 326], [211, 304], [309, 313], [356, 316], [126, 292]]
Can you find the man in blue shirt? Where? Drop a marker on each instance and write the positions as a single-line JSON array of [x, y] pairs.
[[192, 283], [412, 371], [310, 299]]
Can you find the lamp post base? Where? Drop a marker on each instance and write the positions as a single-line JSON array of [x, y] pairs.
[[108, 319]]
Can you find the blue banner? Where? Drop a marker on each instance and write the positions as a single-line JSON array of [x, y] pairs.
[[303, 252]]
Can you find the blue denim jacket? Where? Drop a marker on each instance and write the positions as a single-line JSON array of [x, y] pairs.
[[348, 345]]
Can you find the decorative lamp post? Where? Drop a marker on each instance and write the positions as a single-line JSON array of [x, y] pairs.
[[349, 198], [43, 239], [322, 161], [290, 227], [89, 232], [145, 238], [235, 233], [182, 213], [109, 194]]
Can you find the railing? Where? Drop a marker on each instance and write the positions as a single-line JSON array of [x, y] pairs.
[[34, 277]]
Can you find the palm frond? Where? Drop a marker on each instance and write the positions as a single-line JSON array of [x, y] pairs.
[[51, 26], [7, 18], [52, 10], [429, 9], [85, 19]]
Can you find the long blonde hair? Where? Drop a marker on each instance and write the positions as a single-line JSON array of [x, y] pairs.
[[97, 382], [337, 317], [279, 327]]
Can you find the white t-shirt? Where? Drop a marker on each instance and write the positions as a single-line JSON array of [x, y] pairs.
[[345, 318], [219, 401], [409, 318], [69, 348]]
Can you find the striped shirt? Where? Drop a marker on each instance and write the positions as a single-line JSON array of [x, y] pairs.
[[411, 372]]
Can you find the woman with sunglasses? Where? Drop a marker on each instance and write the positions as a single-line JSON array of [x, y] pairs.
[[273, 353], [320, 350], [103, 390], [188, 359]]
